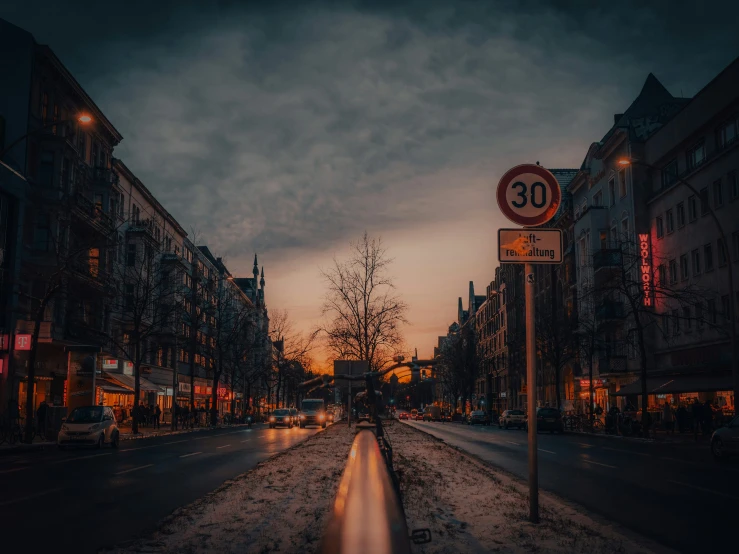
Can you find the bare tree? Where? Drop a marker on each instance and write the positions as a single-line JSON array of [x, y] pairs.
[[556, 341], [148, 301], [459, 363], [292, 355], [363, 313], [69, 257], [629, 291]]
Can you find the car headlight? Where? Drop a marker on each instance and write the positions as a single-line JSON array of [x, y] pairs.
[[302, 416], [322, 417], [65, 428], [271, 418]]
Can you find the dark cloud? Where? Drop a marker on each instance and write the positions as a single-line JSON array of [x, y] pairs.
[[275, 125]]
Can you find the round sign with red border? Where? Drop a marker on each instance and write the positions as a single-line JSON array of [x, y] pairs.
[[528, 195]]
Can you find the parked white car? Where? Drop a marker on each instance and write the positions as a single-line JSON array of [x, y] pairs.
[[725, 440], [512, 418], [89, 426]]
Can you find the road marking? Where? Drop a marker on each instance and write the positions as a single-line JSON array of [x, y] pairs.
[[133, 469], [190, 454], [29, 497], [224, 446], [516, 443], [547, 451], [703, 489], [247, 440], [80, 458], [585, 445], [14, 470], [599, 464], [152, 446]]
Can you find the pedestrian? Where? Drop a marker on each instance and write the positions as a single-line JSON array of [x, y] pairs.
[[707, 418], [682, 416], [175, 414], [41, 417], [697, 411], [668, 418], [157, 415]]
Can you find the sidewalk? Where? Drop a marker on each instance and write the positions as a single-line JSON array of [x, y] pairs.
[[125, 430]]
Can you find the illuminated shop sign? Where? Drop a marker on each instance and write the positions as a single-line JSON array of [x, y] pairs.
[[645, 250]]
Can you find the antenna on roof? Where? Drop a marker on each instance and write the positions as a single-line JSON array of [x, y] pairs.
[[537, 163]]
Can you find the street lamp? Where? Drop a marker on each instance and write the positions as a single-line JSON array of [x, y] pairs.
[[734, 342], [83, 119]]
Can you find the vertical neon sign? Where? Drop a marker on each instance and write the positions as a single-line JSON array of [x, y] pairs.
[[645, 250]]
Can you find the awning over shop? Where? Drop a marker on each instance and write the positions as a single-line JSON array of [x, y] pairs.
[[110, 387], [673, 384], [128, 382]]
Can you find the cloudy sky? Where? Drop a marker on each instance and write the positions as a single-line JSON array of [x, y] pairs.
[[289, 128]]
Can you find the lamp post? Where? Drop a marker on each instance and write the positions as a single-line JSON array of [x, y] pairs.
[[732, 317], [84, 119]]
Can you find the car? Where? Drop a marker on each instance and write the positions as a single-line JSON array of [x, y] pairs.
[[414, 413], [404, 415], [512, 418], [281, 417], [725, 440], [549, 419], [432, 413], [419, 416], [90, 426], [312, 412], [478, 417]]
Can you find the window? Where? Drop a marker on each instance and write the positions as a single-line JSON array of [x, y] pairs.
[[662, 274], [56, 118], [625, 228], [622, 183], [692, 208], [42, 233], [699, 315], [603, 240], [718, 194], [670, 221], [660, 228], [598, 199], [129, 297], [675, 322], [44, 107], [131, 256], [733, 185], [684, 272], [696, 256], [680, 215], [726, 134], [712, 311], [696, 155], [726, 307], [708, 257], [735, 245], [46, 168], [669, 173], [673, 271], [612, 191], [721, 253], [704, 201], [665, 324], [687, 318]]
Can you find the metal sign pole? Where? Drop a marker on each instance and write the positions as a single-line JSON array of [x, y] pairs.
[[531, 392]]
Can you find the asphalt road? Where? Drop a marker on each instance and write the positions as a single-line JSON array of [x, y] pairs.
[[82, 500], [674, 494]]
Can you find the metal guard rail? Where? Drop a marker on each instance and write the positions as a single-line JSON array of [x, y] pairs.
[[367, 516]]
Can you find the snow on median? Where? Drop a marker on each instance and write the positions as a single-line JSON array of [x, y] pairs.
[[470, 507], [282, 505]]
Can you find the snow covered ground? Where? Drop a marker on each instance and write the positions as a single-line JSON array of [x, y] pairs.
[[282, 505], [470, 507]]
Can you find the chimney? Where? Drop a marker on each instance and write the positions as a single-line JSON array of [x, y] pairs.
[[616, 117]]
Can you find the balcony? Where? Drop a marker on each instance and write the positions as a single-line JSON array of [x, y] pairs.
[[103, 177], [612, 358], [90, 213], [609, 312], [607, 258], [144, 228]]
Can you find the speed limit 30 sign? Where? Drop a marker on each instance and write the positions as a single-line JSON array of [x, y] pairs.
[[528, 195]]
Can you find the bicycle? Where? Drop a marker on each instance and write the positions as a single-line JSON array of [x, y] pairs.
[[592, 426], [11, 432]]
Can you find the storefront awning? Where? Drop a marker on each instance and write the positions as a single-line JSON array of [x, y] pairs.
[[110, 387], [128, 382], [673, 384]]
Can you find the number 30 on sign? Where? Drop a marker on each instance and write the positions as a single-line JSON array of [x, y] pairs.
[[528, 195]]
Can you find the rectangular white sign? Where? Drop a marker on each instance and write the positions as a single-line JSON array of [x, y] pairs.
[[538, 246]]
